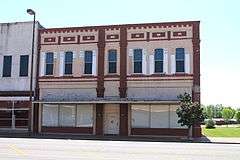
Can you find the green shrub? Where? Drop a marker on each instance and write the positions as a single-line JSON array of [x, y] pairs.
[[210, 124]]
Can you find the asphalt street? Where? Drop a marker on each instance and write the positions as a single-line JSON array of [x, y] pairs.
[[63, 149]]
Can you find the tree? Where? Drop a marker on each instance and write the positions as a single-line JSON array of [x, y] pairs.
[[189, 113], [210, 111], [227, 114], [219, 108], [237, 116]]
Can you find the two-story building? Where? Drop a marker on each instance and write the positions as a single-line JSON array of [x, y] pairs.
[[116, 79], [15, 67]]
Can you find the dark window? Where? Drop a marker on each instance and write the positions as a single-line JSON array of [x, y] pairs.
[[112, 61], [158, 59], [23, 65], [49, 63], [137, 60], [7, 66], [88, 58], [68, 62], [180, 58]]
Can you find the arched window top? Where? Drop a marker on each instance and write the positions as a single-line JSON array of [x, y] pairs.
[[180, 53], [158, 54]]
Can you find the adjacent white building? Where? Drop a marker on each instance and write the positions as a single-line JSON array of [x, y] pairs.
[[15, 72]]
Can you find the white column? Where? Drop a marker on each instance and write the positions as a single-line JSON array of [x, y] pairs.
[[61, 64], [165, 62], [74, 55], [55, 55], [151, 64], [144, 61], [173, 64], [42, 63], [187, 63], [94, 63], [130, 56]]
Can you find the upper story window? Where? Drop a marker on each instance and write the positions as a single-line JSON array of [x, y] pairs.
[[7, 66], [137, 60], [24, 65], [112, 61], [180, 58], [88, 59], [158, 60], [68, 63], [49, 63]]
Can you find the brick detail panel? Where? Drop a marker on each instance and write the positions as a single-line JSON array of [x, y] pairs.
[[158, 34], [179, 34], [137, 35], [69, 39], [80, 130], [99, 119], [88, 38], [123, 119], [50, 39], [160, 131], [112, 36]]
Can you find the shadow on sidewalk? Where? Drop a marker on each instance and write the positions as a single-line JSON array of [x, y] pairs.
[[215, 140]]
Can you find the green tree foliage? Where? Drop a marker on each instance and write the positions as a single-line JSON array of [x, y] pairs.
[[218, 111], [189, 113], [210, 111], [227, 114], [237, 116], [213, 111]]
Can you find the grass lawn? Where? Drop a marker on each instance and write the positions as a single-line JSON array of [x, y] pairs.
[[222, 132]]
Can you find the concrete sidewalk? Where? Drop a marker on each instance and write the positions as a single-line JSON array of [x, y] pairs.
[[124, 138]]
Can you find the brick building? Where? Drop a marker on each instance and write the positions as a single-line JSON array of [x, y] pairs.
[[116, 79]]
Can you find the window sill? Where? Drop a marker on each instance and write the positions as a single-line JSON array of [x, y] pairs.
[[88, 76], [181, 74], [45, 76], [112, 75]]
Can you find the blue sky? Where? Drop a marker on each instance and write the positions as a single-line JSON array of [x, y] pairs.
[[220, 30]]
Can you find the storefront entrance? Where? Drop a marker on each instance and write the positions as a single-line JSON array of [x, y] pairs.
[[111, 119], [14, 118]]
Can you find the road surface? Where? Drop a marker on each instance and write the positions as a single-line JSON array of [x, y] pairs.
[[63, 149]]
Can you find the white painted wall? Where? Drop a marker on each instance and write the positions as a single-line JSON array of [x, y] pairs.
[[16, 40]]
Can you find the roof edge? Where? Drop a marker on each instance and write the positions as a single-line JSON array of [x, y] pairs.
[[124, 25]]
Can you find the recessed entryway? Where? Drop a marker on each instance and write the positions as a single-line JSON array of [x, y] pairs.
[[111, 119]]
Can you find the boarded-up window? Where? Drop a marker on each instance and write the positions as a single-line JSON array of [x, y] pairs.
[[50, 115], [84, 116], [140, 116], [67, 115]]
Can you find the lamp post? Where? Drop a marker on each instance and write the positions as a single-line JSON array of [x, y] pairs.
[[31, 12]]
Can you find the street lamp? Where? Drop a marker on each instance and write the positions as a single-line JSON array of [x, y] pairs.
[[31, 12]]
